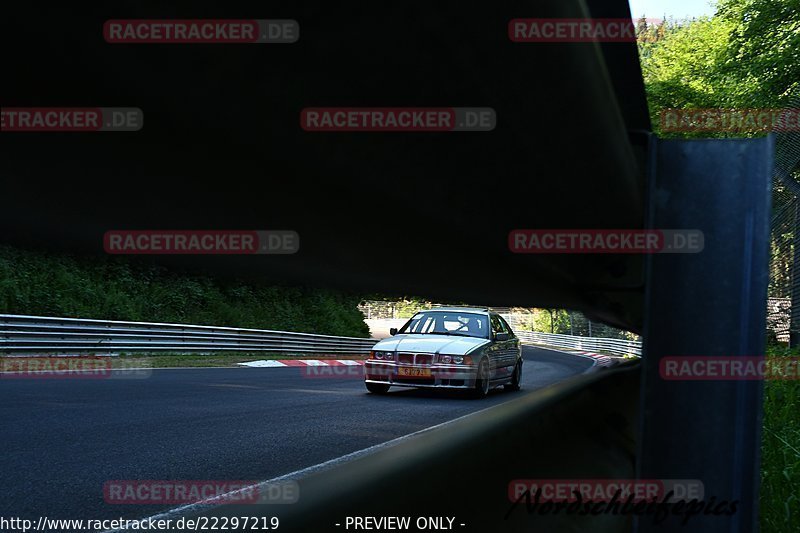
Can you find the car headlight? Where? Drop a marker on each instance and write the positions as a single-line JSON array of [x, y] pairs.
[[458, 359], [445, 358]]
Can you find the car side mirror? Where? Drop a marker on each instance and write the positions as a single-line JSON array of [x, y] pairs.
[[502, 336], [392, 331]]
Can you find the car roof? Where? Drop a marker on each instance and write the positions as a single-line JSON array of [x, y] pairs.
[[481, 310]]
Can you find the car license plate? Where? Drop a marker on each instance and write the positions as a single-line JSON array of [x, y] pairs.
[[414, 372]]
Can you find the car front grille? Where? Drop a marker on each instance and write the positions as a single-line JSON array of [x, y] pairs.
[[423, 359], [419, 359]]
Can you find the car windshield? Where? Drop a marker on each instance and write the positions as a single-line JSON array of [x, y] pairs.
[[448, 323]]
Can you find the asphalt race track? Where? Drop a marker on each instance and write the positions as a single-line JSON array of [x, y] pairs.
[[64, 438]]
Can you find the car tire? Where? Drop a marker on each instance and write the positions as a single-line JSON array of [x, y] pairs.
[[516, 377], [378, 388], [482, 380]]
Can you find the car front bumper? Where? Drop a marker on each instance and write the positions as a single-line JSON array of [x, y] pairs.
[[441, 376]]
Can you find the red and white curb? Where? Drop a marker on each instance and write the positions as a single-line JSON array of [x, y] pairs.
[[599, 359], [274, 363]]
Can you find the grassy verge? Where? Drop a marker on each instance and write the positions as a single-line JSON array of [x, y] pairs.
[[222, 359], [185, 360], [121, 288], [780, 452], [210, 360]]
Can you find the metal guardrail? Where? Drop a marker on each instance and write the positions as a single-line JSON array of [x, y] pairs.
[[589, 344], [37, 334]]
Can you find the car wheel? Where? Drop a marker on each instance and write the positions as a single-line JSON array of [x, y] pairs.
[[515, 378], [378, 388], [482, 380]]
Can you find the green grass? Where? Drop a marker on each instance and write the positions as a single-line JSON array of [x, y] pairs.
[[223, 359], [780, 452], [121, 288]]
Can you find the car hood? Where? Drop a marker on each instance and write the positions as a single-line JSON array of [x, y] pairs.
[[431, 344]]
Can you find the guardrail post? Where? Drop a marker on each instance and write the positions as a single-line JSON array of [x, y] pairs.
[[707, 304]]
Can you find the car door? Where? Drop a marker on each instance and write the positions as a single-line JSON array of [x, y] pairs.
[[497, 352], [504, 350], [514, 352]]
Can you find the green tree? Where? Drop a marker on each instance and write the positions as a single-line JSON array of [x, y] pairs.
[[764, 48], [551, 320], [746, 56]]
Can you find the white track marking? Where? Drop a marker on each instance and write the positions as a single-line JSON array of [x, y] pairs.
[[263, 363], [298, 474]]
